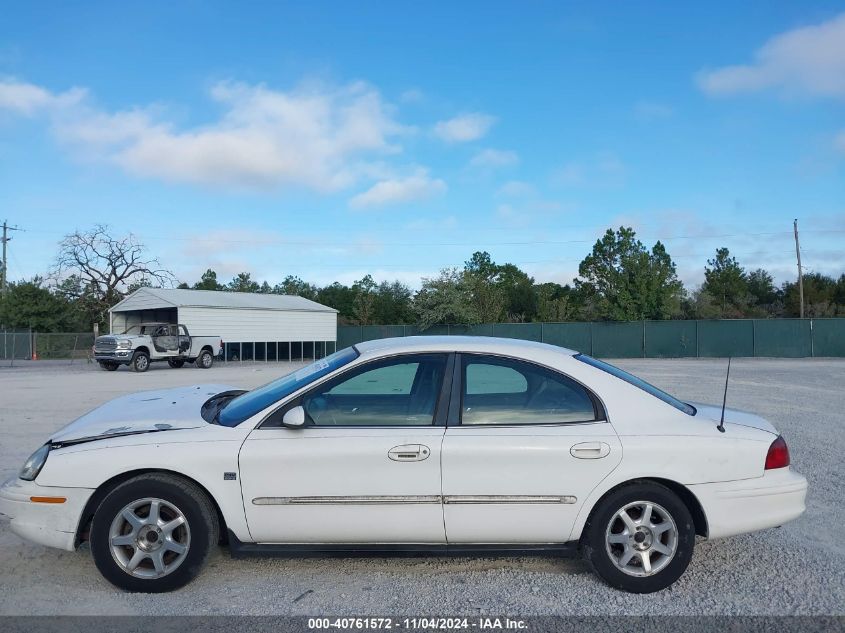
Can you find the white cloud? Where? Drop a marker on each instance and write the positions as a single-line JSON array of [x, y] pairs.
[[418, 186], [609, 164], [316, 136], [808, 61], [100, 130], [531, 212], [413, 95], [603, 169], [410, 278], [505, 211], [494, 158], [464, 127], [517, 188], [432, 224], [27, 99], [569, 174], [650, 110]]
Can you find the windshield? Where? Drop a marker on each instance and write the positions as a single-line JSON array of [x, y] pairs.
[[637, 382], [251, 402]]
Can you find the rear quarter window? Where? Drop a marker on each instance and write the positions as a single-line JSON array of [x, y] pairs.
[[637, 382]]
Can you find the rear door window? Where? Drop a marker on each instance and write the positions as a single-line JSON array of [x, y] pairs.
[[504, 391]]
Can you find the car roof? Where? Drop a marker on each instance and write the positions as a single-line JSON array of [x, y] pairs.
[[486, 344]]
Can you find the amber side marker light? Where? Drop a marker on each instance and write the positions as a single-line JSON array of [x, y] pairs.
[[47, 499]]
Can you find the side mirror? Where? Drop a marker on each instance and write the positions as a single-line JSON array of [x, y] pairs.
[[294, 418]]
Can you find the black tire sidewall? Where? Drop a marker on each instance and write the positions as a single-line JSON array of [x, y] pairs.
[[198, 523], [594, 542]]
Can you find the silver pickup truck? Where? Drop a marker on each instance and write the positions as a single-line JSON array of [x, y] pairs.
[[148, 343]]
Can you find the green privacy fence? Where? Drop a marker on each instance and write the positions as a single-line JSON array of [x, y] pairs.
[[788, 338]]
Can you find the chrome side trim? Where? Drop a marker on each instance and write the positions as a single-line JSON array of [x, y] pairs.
[[412, 499], [347, 500], [493, 499]]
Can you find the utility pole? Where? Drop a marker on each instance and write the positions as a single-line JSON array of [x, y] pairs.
[[800, 274], [5, 239]]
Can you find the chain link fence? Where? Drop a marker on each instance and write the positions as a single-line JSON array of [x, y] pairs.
[[23, 345]]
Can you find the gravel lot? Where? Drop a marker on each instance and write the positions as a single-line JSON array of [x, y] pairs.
[[797, 569]]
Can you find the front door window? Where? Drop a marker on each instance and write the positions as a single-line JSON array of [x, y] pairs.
[[401, 391]]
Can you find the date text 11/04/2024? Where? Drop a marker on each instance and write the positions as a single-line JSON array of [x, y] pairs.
[[418, 623]]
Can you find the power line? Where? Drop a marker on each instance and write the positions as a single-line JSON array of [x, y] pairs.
[[316, 241], [569, 260]]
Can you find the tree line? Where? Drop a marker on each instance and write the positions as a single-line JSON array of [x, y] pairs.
[[621, 279]]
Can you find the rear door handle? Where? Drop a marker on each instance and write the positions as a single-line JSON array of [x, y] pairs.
[[409, 453], [590, 450]]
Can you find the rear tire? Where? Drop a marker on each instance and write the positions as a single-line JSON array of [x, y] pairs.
[[141, 362], [176, 363], [153, 533], [205, 360], [639, 538]]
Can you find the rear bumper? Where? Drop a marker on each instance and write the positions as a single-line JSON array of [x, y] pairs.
[[748, 505], [50, 524]]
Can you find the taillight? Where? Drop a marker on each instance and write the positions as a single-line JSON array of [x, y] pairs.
[[778, 455]]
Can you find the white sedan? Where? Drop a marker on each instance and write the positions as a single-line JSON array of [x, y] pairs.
[[421, 444]]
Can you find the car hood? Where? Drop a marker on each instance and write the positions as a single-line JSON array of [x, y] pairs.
[[734, 416], [144, 412]]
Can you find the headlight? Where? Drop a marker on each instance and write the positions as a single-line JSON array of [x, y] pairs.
[[35, 463], [124, 344]]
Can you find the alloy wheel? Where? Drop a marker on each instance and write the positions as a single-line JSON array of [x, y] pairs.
[[641, 538], [149, 538]]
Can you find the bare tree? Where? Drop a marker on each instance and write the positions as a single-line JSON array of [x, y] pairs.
[[104, 268]]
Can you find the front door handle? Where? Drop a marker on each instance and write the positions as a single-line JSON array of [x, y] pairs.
[[590, 450], [409, 453]]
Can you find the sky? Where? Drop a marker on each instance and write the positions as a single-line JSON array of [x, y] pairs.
[[331, 140]]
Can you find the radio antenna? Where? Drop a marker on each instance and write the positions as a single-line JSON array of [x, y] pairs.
[[721, 426]]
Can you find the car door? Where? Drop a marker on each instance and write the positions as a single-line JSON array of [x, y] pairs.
[[184, 340], [165, 339], [364, 468], [524, 447]]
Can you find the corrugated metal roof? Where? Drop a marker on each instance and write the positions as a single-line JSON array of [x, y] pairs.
[[178, 297]]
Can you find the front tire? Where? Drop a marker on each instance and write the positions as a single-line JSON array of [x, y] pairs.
[[639, 538], [153, 533], [141, 362], [205, 360], [108, 365]]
